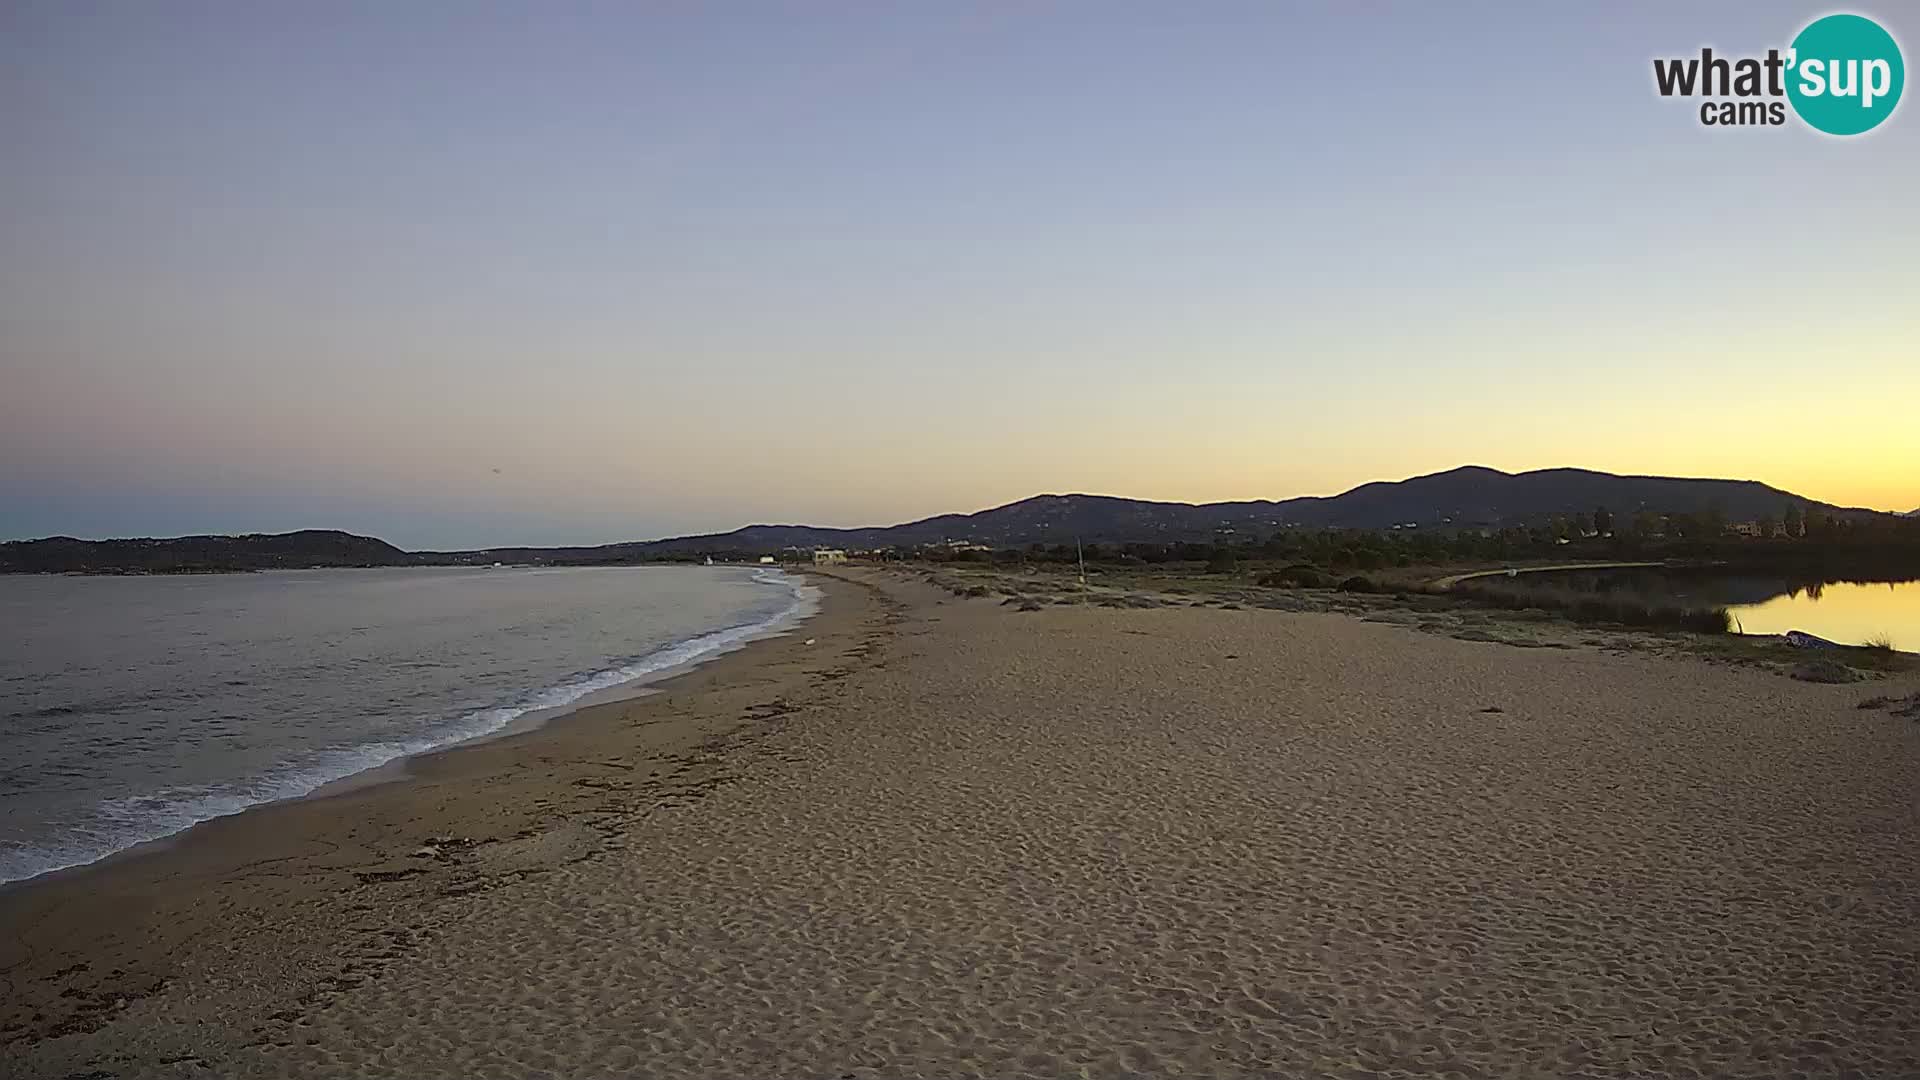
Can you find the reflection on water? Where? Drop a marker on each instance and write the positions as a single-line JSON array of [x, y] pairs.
[[1849, 612], [1852, 613]]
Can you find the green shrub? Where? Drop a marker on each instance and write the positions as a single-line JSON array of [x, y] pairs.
[[1824, 671], [1617, 608], [1299, 575]]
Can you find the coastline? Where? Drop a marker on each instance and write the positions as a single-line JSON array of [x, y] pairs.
[[83, 942], [529, 708], [961, 836], [647, 684]]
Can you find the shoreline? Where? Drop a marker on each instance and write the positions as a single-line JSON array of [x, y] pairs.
[[120, 923], [645, 685], [720, 641], [963, 835]]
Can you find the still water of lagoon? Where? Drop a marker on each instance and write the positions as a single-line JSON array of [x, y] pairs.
[[1852, 613], [1849, 612]]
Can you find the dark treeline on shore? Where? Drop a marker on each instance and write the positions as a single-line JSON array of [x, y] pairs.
[[1789, 554], [1876, 547], [1873, 548]]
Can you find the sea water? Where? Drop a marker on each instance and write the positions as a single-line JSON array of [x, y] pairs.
[[134, 707]]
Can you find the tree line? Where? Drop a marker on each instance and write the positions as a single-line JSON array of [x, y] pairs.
[[1794, 538]]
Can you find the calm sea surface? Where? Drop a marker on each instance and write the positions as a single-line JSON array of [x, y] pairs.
[[133, 707]]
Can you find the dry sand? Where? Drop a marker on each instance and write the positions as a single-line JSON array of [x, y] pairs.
[[950, 839]]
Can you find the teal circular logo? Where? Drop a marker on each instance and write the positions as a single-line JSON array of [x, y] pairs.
[[1845, 74]]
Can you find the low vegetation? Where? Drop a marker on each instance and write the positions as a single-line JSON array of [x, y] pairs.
[[1543, 611], [1299, 575], [1819, 547], [1618, 608], [1824, 671], [1908, 707]]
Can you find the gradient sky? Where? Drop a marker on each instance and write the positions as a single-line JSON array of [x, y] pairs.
[[459, 274]]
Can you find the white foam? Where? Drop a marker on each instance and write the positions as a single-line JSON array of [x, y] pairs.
[[126, 822]]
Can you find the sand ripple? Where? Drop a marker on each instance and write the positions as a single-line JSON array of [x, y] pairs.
[[1175, 842]]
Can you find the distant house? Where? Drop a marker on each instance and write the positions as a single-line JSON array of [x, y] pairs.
[[766, 560], [828, 556]]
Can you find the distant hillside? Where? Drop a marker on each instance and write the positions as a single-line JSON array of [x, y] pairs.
[[1470, 495], [1463, 497], [190, 554], [1476, 495]]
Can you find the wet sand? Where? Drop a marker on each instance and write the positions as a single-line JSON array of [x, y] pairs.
[[953, 839]]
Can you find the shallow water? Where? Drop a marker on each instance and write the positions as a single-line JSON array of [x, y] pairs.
[[133, 707], [1847, 612]]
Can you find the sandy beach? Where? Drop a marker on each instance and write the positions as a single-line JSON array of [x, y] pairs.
[[927, 835]]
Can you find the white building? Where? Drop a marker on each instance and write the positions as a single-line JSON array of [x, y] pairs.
[[829, 556]]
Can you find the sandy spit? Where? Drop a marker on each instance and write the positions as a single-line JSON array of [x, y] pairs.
[[950, 839]]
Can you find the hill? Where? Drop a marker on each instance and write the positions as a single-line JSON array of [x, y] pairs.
[[1462, 497], [199, 554], [1470, 496]]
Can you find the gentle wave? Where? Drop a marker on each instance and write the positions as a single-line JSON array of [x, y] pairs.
[[127, 822]]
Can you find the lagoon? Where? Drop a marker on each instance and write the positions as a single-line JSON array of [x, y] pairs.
[[1852, 613]]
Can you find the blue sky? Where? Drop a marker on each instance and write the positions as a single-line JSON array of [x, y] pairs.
[[454, 273]]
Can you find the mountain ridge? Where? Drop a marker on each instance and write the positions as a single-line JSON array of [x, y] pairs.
[[1469, 496]]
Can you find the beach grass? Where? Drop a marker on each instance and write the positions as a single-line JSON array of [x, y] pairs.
[[1615, 608]]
